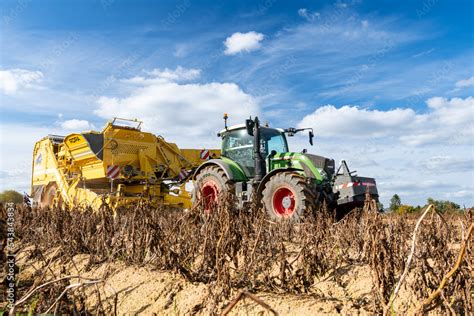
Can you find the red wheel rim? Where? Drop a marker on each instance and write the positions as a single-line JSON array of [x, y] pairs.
[[209, 194], [284, 202]]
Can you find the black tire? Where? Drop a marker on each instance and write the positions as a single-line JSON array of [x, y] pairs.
[[211, 183], [287, 197]]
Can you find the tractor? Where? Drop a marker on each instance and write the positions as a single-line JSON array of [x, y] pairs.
[[256, 165]]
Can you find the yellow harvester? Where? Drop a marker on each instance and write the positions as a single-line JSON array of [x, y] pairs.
[[116, 166]]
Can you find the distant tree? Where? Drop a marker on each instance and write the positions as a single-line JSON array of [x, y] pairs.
[[11, 196], [404, 209], [395, 203], [444, 206], [380, 207], [407, 209]]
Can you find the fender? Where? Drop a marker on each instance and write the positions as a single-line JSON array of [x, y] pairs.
[[304, 162], [267, 177], [232, 172]]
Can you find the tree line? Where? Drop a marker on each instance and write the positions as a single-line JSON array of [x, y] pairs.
[[442, 206]]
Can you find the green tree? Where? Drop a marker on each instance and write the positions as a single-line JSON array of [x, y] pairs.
[[408, 209], [444, 206], [395, 203], [11, 196], [380, 207]]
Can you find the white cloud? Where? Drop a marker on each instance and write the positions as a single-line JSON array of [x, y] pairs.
[[166, 75], [407, 185], [341, 5], [243, 42], [181, 50], [76, 125], [16, 147], [461, 84], [448, 163], [464, 194], [437, 161], [179, 74], [423, 53], [445, 121], [187, 113], [353, 121], [302, 12], [309, 16], [12, 80]]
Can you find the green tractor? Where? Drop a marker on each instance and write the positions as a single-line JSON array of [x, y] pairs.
[[256, 163]]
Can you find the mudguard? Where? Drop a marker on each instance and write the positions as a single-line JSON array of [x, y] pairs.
[[231, 169], [267, 177]]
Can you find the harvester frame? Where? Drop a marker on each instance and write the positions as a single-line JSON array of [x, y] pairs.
[[117, 166]]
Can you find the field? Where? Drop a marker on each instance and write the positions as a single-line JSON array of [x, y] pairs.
[[174, 262]]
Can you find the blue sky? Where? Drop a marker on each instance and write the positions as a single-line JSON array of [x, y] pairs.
[[387, 85]]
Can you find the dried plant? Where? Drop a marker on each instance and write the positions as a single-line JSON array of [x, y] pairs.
[[242, 249]]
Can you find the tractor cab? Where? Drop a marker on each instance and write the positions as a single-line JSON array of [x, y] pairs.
[[238, 145]]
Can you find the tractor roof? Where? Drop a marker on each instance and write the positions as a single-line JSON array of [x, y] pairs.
[[231, 128], [239, 126]]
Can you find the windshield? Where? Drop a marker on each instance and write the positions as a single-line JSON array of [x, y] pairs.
[[273, 139], [237, 145]]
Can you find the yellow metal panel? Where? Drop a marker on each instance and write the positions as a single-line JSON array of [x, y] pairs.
[[93, 171], [79, 147], [194, 155]]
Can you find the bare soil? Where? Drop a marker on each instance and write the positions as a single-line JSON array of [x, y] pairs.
[[145, 290]]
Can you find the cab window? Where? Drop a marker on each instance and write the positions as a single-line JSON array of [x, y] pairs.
[[238, 146]]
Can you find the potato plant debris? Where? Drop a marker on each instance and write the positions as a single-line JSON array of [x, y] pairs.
[[236, 250]]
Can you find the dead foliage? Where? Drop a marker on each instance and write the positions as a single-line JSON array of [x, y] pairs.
[[242, 249]]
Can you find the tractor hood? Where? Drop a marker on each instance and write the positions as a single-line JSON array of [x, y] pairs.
[[316, 167], [323, 163]]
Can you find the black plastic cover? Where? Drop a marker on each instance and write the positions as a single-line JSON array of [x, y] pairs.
[[96, 143]]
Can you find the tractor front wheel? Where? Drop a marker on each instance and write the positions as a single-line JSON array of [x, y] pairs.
[[287, 196], [210, 183]]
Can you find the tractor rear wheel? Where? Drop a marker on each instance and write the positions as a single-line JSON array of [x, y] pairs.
[[210, 183], [287, 196]]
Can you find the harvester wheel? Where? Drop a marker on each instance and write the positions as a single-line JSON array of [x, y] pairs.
[[287, 196], [47, 198], [210, 183]]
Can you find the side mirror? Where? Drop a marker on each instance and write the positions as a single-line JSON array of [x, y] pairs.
[[311, 136], [249, 124]]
